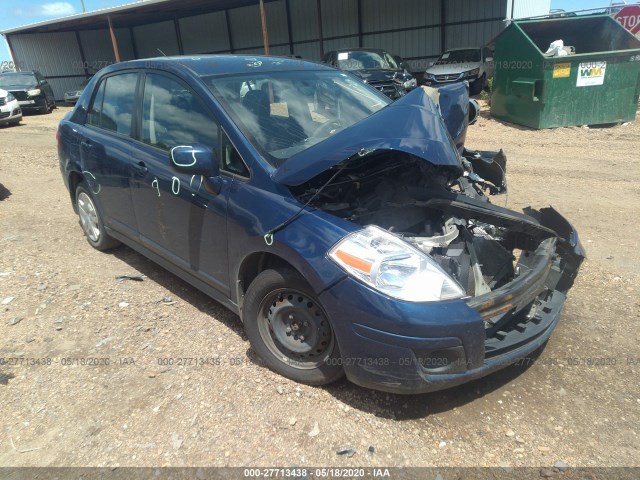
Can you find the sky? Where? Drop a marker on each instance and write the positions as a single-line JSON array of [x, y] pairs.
[[15, 14]]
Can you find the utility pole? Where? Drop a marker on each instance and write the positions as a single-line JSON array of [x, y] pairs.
[[265, 33]]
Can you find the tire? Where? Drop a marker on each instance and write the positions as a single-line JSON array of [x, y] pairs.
[[289, 330], [90, 220], [478, 85], [45, 108]]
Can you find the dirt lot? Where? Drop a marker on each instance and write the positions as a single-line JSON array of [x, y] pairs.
[[577, 402]]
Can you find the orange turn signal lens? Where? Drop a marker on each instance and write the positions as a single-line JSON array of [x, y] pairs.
[[354, 261]]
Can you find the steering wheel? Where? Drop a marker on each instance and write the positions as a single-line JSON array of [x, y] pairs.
[[327, 128]]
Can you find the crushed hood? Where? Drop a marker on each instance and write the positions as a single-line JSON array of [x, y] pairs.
[[411, 124]]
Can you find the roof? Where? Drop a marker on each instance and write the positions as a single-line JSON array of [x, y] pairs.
[[359, 49], [131, 14], [204, 65]]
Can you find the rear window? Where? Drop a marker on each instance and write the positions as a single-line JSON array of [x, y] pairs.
[[112, 107]]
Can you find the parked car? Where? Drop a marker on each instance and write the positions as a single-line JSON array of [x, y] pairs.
[[31, 89], [560, 13], [73, 95], [378, 68], [475, 65], [343, 228], [10, 112]]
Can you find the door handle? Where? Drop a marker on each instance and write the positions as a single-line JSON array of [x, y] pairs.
[[86, 144], [140, 169]]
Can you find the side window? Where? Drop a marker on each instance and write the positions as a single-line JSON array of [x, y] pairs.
[[93, 117], [112, 108], [173, 115], [231, 160]]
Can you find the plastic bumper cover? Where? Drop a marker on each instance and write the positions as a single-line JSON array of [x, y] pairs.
[[411, 348]]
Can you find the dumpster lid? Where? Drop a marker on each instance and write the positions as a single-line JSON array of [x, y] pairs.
[[587, 34]]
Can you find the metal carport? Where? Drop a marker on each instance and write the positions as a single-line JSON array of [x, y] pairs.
[[72, 48]]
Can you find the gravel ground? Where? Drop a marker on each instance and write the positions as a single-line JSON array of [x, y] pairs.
[[577, 401]]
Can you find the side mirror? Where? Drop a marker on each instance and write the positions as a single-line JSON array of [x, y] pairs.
[[474, 110], [430, 64], [488, 59], [195, 160]]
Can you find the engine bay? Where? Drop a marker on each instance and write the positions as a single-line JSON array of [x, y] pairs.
[[441, 211]]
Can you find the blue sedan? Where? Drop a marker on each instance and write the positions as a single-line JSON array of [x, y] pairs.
[[352, 235]]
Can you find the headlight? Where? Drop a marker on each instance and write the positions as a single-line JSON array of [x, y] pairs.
[[10, 97], [472, 73], [34, 92], [390, 265], [430, 76], [410, 83]]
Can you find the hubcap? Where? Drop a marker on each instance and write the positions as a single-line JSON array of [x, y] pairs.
[[88, 217], [295, 328]]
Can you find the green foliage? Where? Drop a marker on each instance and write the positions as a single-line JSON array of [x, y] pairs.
[[485, 94]]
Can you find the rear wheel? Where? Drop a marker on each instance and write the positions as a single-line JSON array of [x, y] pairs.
[[91, 222], [289, 330]]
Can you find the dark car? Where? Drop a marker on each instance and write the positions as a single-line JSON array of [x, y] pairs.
[[386, 72], [344, 229], [31, 89]]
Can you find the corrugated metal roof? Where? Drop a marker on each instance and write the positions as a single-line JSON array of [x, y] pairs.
[[78, 16], [131, 14]]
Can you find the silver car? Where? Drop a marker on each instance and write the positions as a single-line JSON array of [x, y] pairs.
[[10, 112], [475, 65], [72, 96]]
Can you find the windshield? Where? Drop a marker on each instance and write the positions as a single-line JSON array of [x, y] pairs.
[[362, 60], [11, 79], [284, 113], [459, 56]]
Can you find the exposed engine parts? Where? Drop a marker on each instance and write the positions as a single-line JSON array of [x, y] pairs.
[[441, 211]]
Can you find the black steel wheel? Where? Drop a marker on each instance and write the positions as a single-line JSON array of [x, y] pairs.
[[290, 330]]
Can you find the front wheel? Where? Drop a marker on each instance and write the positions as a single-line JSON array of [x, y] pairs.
[[478, 85], [289, 330], [91, 222], [45, 108]]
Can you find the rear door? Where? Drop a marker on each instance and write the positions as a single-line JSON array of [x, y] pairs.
[[105, 150], [180, 217]]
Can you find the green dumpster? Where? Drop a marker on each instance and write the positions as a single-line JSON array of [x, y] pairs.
[[597, 84]]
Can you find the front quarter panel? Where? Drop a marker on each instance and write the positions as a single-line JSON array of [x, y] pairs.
[[304, 243]]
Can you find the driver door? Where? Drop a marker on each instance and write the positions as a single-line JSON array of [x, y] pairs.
[[180, 217]]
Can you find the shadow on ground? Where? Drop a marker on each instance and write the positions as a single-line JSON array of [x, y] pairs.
[[4, 192], [179, 288], [5, 377], [384, 405], [410, 407]]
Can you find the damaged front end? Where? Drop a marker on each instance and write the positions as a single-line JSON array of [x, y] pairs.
[[513, 269]]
